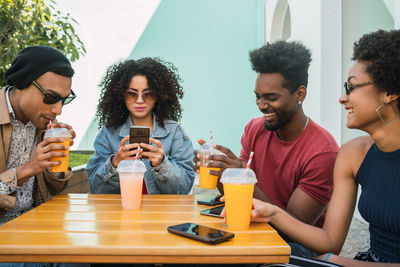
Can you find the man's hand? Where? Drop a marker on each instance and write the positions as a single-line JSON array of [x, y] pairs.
[[224, 161], [63, 125], [196, 158], [40, 159], [229, 160]]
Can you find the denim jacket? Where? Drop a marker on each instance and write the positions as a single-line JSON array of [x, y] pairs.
[[174, 175]]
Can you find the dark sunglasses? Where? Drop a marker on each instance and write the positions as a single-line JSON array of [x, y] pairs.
[[147, 96], [348, 87], [54, 98]]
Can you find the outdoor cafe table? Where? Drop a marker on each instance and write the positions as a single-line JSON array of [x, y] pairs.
[[94, 228]]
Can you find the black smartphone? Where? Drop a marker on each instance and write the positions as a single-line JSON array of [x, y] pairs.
[[139, 134], [201, 233], [215, 212], [210, 201]]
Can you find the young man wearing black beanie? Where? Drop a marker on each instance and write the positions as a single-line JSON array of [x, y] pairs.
[[38, 85]]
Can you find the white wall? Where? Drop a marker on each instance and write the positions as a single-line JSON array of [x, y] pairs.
[[317, 24]]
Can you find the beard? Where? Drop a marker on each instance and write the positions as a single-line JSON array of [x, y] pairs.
[[272, 127], [283, 119]]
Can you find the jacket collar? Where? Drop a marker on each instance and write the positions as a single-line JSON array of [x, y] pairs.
[[4, 112], [157, 132]]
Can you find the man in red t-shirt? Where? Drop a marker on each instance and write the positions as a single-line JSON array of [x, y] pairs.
[[293, 156]]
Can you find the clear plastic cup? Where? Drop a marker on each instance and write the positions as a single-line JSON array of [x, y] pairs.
[[207, 180], [238, 191], [131, 173], [67, 137]]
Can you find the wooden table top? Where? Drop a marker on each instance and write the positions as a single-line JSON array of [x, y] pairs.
[[94, 228]]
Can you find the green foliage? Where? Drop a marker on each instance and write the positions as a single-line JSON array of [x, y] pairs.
[[76, 159], [35, 22]]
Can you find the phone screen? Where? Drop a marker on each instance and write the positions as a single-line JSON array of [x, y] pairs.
[[215, 212], [201, 233], [211, 201], [138, 134]]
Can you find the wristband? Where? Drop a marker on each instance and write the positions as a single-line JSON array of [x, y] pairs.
[[327, 256]]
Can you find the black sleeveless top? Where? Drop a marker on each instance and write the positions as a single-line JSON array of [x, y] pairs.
[[379, 203]]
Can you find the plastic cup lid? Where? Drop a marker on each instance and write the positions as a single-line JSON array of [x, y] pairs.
[[57, 132], [131, 166], [206, 147], [238, 176]]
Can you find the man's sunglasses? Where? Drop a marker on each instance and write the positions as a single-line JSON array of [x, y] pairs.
[[147, 96], [54, 98], [348, 87]]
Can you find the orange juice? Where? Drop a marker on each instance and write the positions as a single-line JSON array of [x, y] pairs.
[[63, 167], [238, 199], [207, 180], [131, 189]]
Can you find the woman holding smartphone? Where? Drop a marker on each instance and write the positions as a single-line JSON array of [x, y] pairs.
[[142, 92], [372, 102]]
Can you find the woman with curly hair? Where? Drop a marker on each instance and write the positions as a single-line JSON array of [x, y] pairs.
[[142, 92], [372, 102]]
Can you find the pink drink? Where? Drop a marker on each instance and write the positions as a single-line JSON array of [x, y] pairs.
[[131, 190], [131, 173]]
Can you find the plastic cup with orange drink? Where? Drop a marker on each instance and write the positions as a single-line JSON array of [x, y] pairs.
[[131, 173], [207, 180], [238, 191], [67, 137]]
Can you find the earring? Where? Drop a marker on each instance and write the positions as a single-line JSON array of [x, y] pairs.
[[394, 111], [299, 102]]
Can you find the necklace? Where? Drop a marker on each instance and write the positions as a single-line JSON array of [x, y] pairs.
[[305, 126]]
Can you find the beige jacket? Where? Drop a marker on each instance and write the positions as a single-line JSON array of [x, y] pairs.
[[46, 184]]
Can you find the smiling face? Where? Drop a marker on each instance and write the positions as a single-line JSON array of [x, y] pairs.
[[30, 105], [362, 102], [275, 101], [139, 99]]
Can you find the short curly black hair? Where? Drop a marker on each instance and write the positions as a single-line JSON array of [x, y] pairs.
[[162, 79], [291, 59], [380, 51]]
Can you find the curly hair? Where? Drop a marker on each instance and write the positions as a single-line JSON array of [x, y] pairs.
[[380, 51], [162, 79], [291, 59]]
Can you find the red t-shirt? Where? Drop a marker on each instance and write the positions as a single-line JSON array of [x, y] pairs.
[[306, 162], [144, 188]]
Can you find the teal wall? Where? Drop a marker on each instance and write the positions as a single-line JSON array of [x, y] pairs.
[[209, 41], [375, 15]]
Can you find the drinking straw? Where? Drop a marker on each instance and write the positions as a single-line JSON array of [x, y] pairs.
[[211, 138], [51, 124], [248, 165], [249, 161], [137, 153]]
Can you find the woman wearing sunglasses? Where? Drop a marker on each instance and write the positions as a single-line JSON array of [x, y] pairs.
[[142, 92], [372, 102]]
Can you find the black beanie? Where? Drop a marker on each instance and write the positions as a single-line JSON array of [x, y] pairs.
[[34, 61]]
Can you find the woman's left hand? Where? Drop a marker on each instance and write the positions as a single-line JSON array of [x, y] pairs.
[[155, 153]]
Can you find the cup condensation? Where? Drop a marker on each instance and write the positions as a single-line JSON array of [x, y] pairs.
[[131, 173], [238, 191], [67, 137], [207, 180]]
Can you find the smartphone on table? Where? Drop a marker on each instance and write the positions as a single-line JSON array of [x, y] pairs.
[[139, 134], [211, 201], [215, 212], [201, 233]]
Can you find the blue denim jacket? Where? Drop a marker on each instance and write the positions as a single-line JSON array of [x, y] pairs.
[[174, 175]]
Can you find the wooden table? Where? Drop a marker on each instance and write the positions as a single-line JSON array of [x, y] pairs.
[[95, 228]]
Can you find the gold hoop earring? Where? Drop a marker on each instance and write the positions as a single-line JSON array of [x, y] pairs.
[[394, 111]]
